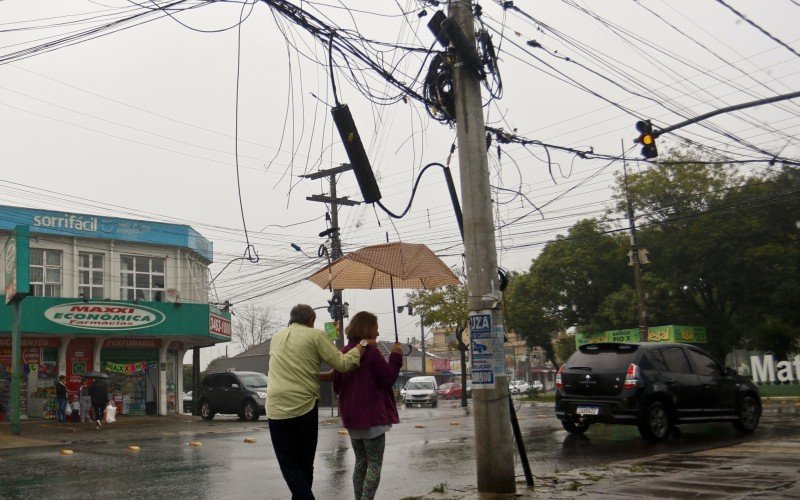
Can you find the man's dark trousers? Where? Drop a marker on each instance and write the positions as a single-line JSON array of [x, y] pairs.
[[295, 444]]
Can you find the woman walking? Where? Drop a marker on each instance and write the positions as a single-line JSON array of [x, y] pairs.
[[366, 403], [99, 395]]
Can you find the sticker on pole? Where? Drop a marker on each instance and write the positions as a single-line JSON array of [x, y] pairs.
[[482, 349]]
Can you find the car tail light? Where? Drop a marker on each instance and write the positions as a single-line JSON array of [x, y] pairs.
[[631, 377], [559, 384]]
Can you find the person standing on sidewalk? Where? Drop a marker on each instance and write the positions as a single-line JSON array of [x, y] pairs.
[[99, 396], [366, 403], [293, 393], [85, 400], [61, 399]]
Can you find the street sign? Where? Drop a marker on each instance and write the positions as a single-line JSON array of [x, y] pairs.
[[483, 350], [16, 257]]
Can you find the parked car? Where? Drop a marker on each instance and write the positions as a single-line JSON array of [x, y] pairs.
[[421, 391], [187, 402], [654, 386], [240, 393], [518, 387], [537, 385], [450, 390]]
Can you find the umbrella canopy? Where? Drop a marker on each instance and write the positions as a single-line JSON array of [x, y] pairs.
[[389, 265], [95, 375]]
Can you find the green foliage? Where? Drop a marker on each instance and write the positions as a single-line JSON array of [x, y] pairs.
[[440, 488], [724, 251]]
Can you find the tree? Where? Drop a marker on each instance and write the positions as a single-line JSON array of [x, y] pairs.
[[447, 308], [567, 284], [253, 325]]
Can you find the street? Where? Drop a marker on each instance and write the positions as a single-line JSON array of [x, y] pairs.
[[425, 450]]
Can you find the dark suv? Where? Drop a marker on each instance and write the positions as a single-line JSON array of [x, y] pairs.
[[654, 386], [242, 393]]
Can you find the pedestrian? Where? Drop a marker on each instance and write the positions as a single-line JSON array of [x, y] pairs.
[[61, 399], [99, 397], [366, 403], [293, 393], [85, 400]]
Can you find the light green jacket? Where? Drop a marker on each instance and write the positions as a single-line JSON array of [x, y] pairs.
[[295, 353]]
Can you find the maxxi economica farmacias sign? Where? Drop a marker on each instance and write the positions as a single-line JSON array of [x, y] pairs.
[[95, 226], [106, 317]]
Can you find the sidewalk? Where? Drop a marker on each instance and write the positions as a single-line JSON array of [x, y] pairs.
[[756, 469]]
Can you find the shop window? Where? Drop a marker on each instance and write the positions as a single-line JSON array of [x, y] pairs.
[[90, 275], [141, 278], [45, 272]]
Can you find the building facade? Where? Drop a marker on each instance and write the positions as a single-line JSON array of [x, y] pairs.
[[122, 296]]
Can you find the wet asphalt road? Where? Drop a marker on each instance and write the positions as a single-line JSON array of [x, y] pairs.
[[416, 460]]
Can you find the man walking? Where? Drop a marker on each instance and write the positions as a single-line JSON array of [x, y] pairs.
[[61, 399], [293, 393]]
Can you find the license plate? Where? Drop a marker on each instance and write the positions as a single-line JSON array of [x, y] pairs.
[[587, 410]]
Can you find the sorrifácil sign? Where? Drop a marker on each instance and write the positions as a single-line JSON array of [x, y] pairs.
[[108, 316]]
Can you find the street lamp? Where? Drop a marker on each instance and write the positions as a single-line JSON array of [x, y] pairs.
[[422, 332]]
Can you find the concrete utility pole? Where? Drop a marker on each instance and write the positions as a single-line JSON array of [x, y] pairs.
[[336, 242], [422, 341], [637, 270], [494, 446]]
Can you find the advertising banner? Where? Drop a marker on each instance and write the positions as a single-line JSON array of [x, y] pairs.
[[483, 350], [67, 316], [16, 257]]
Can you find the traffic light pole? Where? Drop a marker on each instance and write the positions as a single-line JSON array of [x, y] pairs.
[[494, 446], [637, 270]]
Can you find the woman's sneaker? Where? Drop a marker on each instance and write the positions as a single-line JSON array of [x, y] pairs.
[[97, 423]]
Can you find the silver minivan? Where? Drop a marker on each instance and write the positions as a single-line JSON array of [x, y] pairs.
[[420, 391]]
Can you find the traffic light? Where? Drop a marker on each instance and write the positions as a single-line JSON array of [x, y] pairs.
[[355, 151], [647, 138]]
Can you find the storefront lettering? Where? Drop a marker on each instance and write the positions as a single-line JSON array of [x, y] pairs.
[[132, 343], [28, 342], [104, 317], [765, 369], [68, 221], [219, 326]]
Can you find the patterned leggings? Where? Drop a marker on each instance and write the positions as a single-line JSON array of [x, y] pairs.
[[369, 460]]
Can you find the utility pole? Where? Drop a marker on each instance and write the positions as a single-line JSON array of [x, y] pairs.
[[637, 271], [422, 341], [493, 438], [336, 242]]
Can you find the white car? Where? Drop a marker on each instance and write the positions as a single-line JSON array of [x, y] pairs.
[[518, 387], [537, 384]]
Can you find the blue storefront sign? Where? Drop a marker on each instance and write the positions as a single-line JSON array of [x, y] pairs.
[[97, 226]]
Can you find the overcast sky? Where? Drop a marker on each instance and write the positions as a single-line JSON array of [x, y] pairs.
[[139, 121]]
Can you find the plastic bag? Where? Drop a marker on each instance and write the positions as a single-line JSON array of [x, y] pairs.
[[68, 410], [111, 413]]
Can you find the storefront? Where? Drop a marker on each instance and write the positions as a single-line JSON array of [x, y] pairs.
[[122, 296], [140, 347], [39, 372]]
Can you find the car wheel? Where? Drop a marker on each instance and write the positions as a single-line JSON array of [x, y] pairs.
[[433, 405], [749, 414], [205, 410], [249, 411], [575, 427], [408, 405], [655, 424]]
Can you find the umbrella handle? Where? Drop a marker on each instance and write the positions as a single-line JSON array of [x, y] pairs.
[[394, 308]]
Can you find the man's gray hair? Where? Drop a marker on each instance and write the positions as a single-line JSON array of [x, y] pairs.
[[303, 314]]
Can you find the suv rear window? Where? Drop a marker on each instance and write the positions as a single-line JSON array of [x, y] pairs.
[[603, 357]]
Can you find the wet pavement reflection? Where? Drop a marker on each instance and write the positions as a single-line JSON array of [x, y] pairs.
[[429, 447]]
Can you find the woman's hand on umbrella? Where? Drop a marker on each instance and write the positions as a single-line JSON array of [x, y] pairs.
[[397, 348]]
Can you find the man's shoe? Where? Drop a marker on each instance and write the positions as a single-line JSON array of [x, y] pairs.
[[97, 423]]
